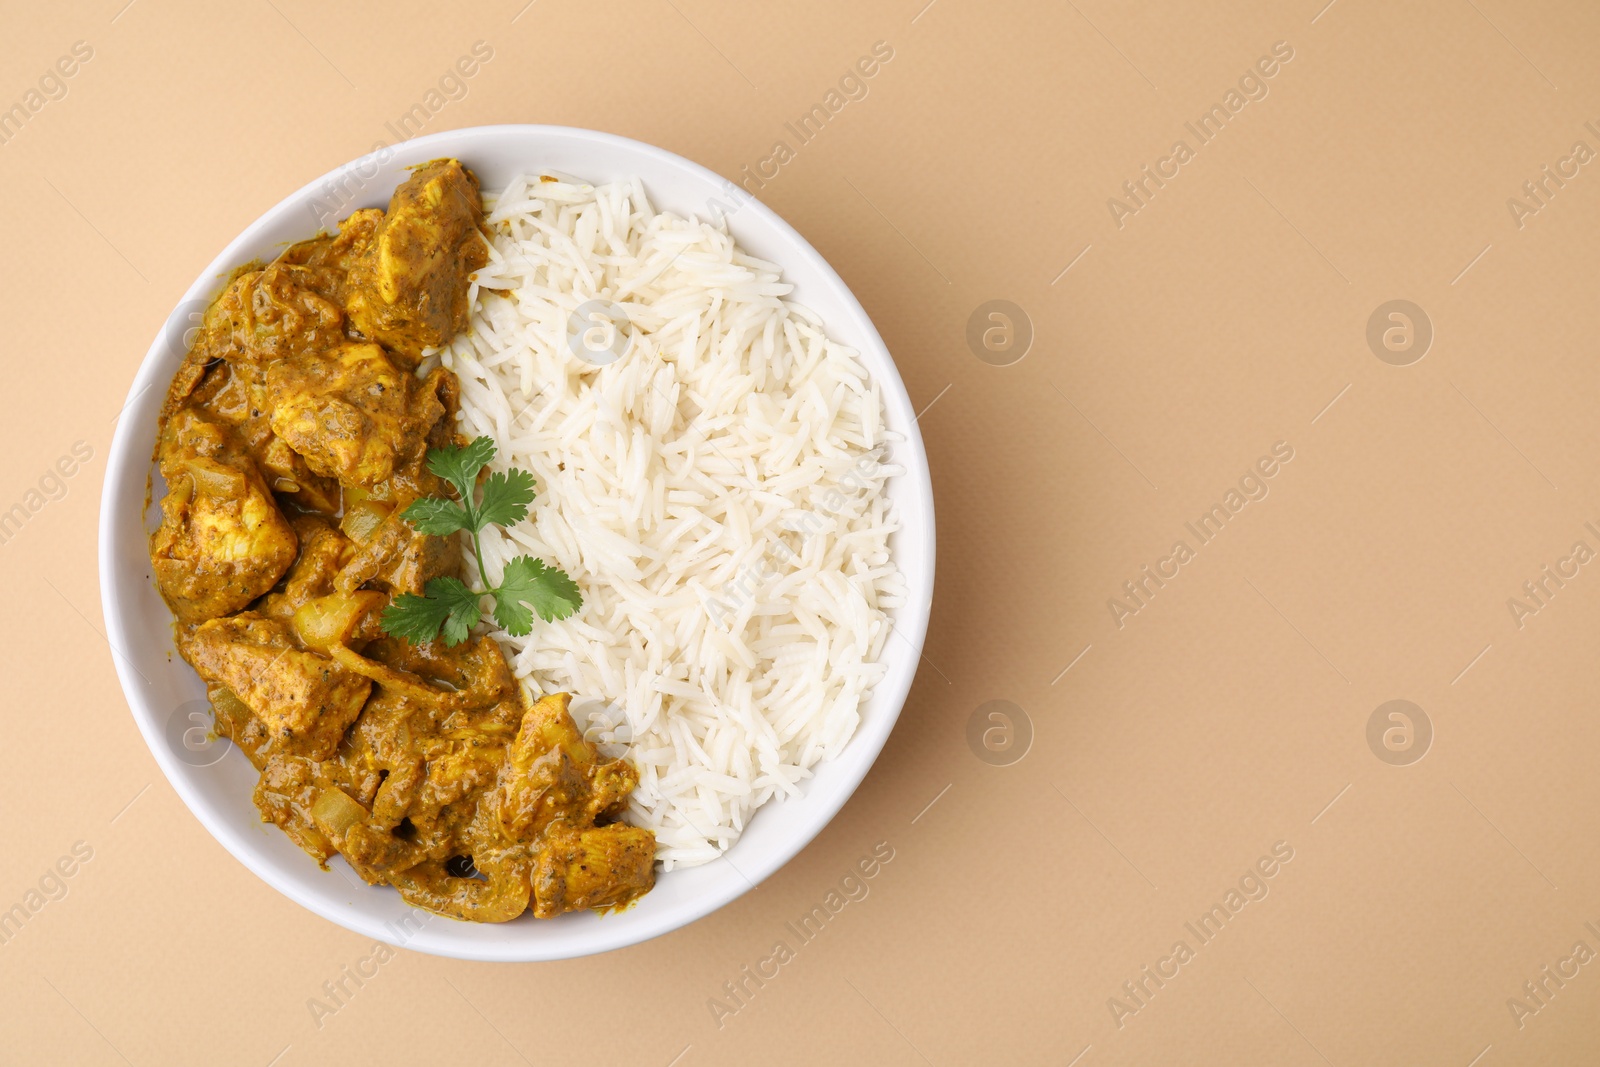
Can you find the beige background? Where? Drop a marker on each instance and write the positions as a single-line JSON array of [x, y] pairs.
[[1229, 313]]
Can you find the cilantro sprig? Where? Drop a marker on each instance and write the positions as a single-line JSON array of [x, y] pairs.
[[448, 604]]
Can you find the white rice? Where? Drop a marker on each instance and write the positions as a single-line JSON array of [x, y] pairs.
[[716, 492]]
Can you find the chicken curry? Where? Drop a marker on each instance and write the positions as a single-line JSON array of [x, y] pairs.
[[294, 436]]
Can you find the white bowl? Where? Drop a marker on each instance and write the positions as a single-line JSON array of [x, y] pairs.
[[168, 700]]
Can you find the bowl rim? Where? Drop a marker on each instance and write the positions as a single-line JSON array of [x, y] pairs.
[[917, 545]]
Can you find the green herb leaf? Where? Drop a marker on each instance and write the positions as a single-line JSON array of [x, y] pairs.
[[413, 617], [436, 516], [460, 465], [462, 604], [448, 603], [506, 497], [527, 582]]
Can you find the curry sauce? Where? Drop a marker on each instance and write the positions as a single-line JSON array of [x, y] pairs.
[[293, 437]]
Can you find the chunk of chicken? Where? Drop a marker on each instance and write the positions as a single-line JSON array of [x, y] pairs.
[[553, 774], [233, 719], [600, 867], [437, 802], [222, 540], [416, 480], [398, 559], [323, 550], [330, 256], [235, 394], [270, 314], [408, 290], [351, 413], [305, 700], [286, 795]]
